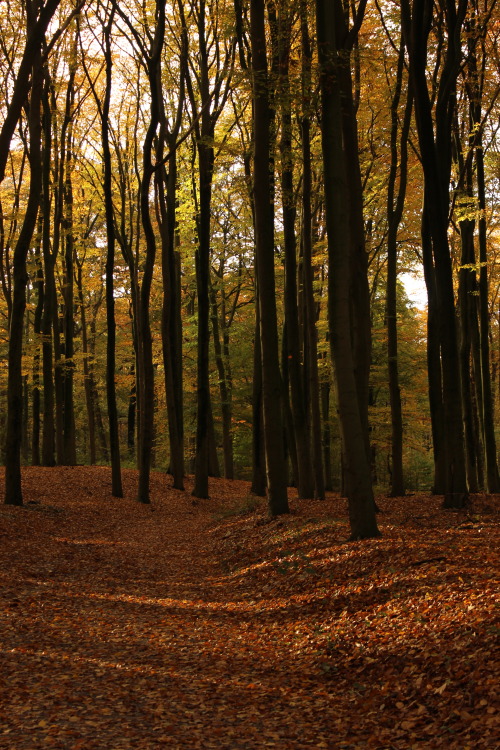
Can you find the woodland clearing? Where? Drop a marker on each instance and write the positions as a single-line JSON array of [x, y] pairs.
[[204, 624]]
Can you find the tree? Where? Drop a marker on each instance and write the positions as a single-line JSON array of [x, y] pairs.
[[114, 445], [435, 140], [215, 61], [13, 489], [264, 250], [395, 206], [340, 221]]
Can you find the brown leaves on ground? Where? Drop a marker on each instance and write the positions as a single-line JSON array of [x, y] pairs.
[[202, 624]]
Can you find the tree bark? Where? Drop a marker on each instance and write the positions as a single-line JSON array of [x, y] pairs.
[[344, 339], [264, 229], [37, 330], [13, 488], [114, 443], [435, 153], [395, 205], [300, 424], [310, 332]]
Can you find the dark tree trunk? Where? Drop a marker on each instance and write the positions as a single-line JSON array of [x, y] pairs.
[[435, 141], [492, 475], [145, 370], [289, 431], [114, 444], [69, 309], [310, 332], [87, 372], [476, 29], [258, 486], [467, 306], [171, 325], [434, 361], [225, 387], [13, 489], [205, 160], [37, 330], [48, 434], [131, 410], [271, 378], [326, 434], [300, 425], [213, 458], [395, 205], [346, 330]]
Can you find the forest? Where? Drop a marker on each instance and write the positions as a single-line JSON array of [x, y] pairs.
[[251, 479], [208, 211]]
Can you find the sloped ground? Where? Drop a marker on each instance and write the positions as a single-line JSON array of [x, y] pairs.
[[202, 624]]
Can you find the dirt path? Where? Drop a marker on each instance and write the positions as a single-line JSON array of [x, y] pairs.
[[132, 627]]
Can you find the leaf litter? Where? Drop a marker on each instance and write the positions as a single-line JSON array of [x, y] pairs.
[[204, 624]]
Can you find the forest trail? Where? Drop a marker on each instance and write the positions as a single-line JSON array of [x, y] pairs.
[[199, 624]]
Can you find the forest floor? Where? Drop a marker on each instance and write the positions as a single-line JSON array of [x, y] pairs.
[[202, 624]]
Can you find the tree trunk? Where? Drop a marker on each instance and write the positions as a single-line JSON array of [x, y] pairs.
[[433, 361], [310, 332], [466, 301], [13, 489], [258, 486], [171, 325], [205, 157], [225, 389], [69, 309], [345, 332], [492, 475], [395, 205], [87, 373], [435, 138], [37, 329], [303, 470], [48, 434], [145, 372], [114, 444], [264, 229]]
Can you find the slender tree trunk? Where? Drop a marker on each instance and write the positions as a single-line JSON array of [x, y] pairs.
[[258, 486], [271, 378], [465, 302], [13, 488], [69, 310], [171, 324], [350, 386], [213, 458], [205, 157], [435, 136], [310, 332], [395, 205], [300, 424], [224, 390], [433, 361], [492, 475], [37, 330], [87, 373], [326, 433], [145, 343], [171, 340], [132, 405], [114, 443], [48, 434], [291, 452]]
